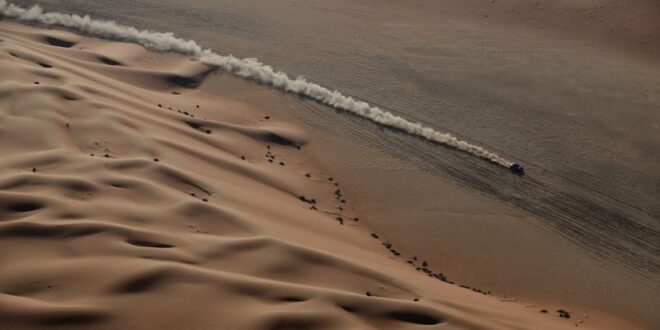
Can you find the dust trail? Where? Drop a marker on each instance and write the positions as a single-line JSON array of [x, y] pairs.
[[249, 68]]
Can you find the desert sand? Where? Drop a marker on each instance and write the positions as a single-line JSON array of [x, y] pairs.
[[135, 196], [570, 89]]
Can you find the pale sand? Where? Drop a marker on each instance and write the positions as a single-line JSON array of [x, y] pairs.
[[166, 227]]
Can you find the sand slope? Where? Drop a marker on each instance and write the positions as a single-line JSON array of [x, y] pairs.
[[132, 199]]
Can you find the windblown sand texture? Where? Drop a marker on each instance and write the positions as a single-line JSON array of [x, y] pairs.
[[133, 196]]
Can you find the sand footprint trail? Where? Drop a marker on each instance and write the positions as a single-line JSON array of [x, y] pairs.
[[132, 197]]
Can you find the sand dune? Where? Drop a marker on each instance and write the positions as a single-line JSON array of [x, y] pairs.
[[131, 197]]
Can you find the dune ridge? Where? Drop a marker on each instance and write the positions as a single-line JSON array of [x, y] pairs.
[[129, 200], [249, 68]]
